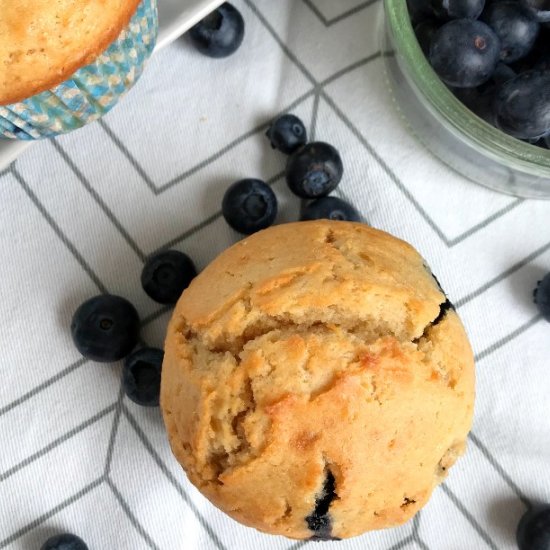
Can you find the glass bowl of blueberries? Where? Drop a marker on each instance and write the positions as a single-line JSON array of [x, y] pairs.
[[472, 80]]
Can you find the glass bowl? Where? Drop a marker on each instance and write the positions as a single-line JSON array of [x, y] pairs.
[[450, 130]]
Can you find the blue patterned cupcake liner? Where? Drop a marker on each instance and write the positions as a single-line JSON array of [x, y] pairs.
[[92, 90]]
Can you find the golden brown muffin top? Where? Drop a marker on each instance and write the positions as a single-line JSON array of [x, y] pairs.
[[43, 42], [312, 350]]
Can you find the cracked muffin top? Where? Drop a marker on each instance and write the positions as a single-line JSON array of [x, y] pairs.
[[43, 42], [317, 383]]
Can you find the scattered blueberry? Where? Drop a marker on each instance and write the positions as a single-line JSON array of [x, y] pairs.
[[141, 376], [425, 31], [249, 205], [166, 275], [66, 541], [522, 105], [105, 328], [515, 27], [330, 208], [457, 9], [220, 33], [464, 53], [314, 170], [287, 133], [540, 9], [533, 532], [541, 296]]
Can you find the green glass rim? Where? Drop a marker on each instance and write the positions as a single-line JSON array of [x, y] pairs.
[[449, 110]]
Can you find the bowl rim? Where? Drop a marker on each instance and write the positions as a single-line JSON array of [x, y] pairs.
[[450, 111]]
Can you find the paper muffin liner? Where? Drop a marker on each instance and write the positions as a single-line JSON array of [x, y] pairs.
[[92, 90]]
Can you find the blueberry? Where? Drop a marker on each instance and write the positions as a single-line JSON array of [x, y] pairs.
[[503, 73], [141, 376], [314, 170], [479, 100], [533, 532], [419, 10], [320, 521], [543, 63], [457, 9], [220, 33], [66, 541], [249, 205], [166, 275], [464, 53], [105, 328], [522, 105], [425, 31], [287, 133], [540, 9], [515, 27], [330, 208], [541, 296]]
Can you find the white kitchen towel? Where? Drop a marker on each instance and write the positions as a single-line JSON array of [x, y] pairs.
[[80, 214]]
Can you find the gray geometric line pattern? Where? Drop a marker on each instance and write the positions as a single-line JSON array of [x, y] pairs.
[[342, 72], [401, 544], [218, 154], [427, 218], [114, 429], [57, 230], [46, 384], [56, 442], [133, 520], [45, 517], [416, 523], [60, 234], [384, 165], [338, 18], [500, 469], [124, 150], [314, 114], [273, 180], [155, 315], [466, 513], [173, 481], [285, 49], [190, 232], [98, 200], [505, 274], [484, 223], [508, 338], [198, 167], [297, 545], [421, 543]]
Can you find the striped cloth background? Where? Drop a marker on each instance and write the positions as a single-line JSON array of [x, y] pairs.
[[80, 214]]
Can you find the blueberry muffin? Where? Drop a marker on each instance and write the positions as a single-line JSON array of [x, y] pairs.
[[317, 383], [65, 63]]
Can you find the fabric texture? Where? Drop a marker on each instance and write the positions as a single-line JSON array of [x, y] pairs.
[[79, 215]]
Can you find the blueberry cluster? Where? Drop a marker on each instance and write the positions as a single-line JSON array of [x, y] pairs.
[[106, 328], [494, 55], [313, 170]]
